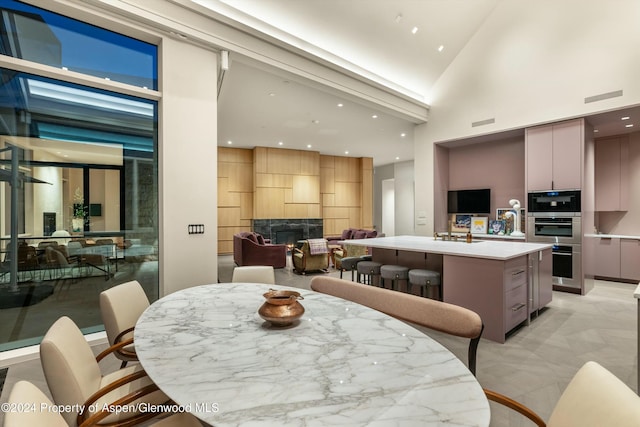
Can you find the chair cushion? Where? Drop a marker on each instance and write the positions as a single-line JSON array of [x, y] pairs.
[[260, 239], [24, 392], [595, 397], [252, 237], [346, 234], [360, 234], [370, 234]]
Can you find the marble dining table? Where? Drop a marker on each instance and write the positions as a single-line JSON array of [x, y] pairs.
[[341, 364]]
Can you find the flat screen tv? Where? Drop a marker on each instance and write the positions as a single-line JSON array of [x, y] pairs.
[[469, 201]]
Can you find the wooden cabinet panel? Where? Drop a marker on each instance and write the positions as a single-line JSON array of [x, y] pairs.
[[347, 194], [630, 259], [327, 180], [539, 143], [612, 174], [567, 155], [607, 257], [554, 156], [515, 310]]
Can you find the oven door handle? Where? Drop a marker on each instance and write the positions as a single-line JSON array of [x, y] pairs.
[[561, 224], [561, 253]]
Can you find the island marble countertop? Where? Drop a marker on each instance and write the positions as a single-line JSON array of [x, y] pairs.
[[499, 250], [613, 236]]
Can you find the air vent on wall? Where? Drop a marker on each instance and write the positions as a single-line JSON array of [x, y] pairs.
[[602, 96], [483, 122]]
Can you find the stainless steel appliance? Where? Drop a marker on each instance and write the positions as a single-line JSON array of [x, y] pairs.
[[554, 217]]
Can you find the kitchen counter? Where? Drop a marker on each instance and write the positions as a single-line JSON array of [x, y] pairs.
[[613, 236], [498, 250], [502, 281]]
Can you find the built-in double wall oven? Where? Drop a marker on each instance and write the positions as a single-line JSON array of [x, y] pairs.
[[555, 217]]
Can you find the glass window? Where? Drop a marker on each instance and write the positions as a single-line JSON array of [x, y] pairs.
[[40, 36], [78, 202]]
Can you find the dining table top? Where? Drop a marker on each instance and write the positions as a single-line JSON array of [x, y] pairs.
[[340, 364]]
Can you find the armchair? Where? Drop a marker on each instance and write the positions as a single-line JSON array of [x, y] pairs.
[[252, 249], [312, 256]]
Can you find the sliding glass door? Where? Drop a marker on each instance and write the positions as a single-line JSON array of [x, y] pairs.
[[78, 171]]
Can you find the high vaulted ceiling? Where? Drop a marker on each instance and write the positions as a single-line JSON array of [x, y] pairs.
[[262, 106]]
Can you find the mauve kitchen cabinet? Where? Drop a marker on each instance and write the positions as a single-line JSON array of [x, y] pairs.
[[554, 156], [612, 174], [630, 259]]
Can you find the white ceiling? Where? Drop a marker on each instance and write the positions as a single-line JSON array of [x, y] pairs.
[[261, 106]]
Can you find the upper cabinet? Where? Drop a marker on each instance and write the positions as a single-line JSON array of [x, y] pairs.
[[612, 174], [554, 156]]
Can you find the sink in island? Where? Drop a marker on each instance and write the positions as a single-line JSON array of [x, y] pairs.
[[504, 282]]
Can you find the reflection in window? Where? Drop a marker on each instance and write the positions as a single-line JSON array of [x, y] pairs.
[[78, 201], [44, 37]]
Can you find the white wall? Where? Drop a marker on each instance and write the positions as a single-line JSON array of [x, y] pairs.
[[404, 198], [388, 208], [532, 63], [187, 165]]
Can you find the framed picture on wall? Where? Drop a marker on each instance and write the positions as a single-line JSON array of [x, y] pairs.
[[479, 224]]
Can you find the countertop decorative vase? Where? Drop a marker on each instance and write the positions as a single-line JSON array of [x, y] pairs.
[[281, 308]]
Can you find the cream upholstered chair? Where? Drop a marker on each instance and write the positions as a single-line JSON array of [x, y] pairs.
[[74, 377], [254, 274], [120, 307], [25, 393], [436, 315], [593, 398]]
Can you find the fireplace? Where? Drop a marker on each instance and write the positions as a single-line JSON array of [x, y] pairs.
[[288, 231], [289, 237]]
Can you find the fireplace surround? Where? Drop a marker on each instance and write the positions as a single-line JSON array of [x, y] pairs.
[[288, 231]]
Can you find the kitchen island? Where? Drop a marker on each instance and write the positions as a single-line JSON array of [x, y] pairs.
[[504, 282]]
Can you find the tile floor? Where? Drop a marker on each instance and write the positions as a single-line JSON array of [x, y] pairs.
[[533, 366]]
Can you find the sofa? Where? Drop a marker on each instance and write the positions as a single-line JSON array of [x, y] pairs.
[[352, 233], [253, 249]]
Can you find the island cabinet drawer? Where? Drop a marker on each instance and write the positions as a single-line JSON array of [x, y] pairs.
[[515, 274], [515, 307]]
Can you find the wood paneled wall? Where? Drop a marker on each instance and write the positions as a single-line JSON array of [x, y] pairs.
[[346, 185], [287, 183], [235, 194], [274, 183]]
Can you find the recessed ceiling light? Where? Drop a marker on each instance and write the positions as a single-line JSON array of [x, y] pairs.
[[280, 143], [346, 152], [340, 105], [315, 122], [272, 94], [229, 142], [628, 126], [375, 116], [441, 48], [625, 118], [397, 158], [414, 30], [403, 134], [596, 130], [308, 145]]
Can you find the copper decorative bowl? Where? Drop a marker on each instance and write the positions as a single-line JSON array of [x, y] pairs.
[[281, 308]]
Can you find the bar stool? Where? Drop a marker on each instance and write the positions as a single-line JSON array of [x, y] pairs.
[[366, 257], [349, 264], [395, 273], [369, 269], [425, 279]]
